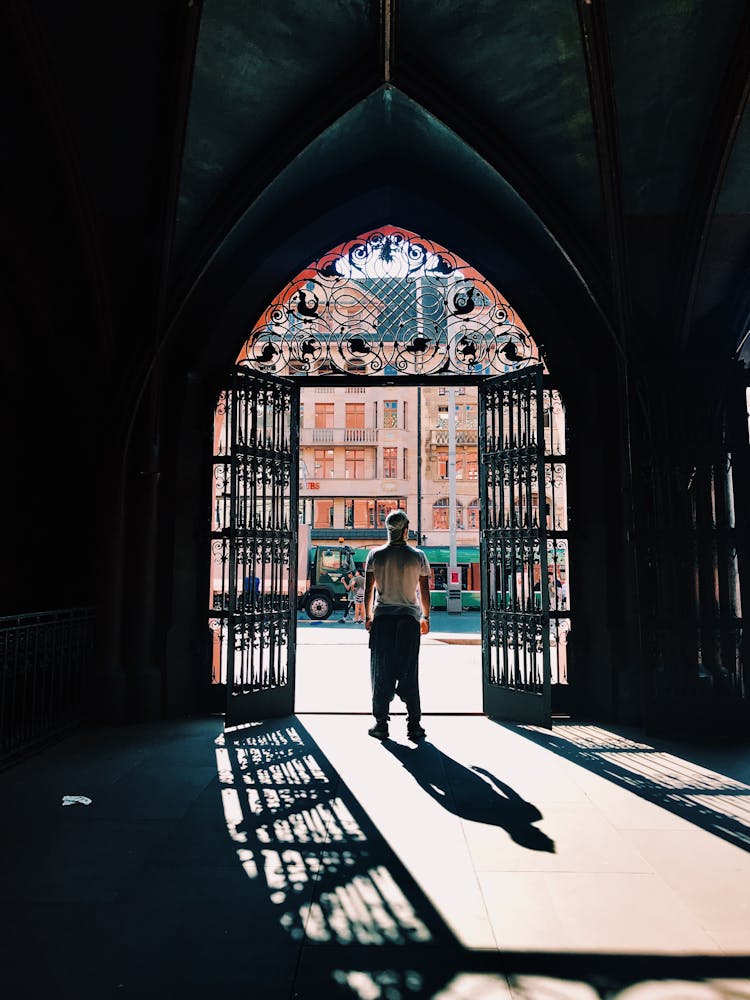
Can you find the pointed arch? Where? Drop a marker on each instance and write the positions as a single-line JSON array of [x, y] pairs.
[[389, 302]]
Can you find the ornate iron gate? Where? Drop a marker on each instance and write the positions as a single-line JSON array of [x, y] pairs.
[[513, 548], [254, 541]]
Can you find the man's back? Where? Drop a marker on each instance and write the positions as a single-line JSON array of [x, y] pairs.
[[397, 569]]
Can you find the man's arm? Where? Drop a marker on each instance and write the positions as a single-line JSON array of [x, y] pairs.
[[424, 593], [369, 591]]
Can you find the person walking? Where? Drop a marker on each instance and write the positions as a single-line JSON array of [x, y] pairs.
[[396, 622]]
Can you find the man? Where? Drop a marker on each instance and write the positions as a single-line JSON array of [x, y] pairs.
[[401, 616]]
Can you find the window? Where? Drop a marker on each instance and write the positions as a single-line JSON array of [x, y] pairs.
[[467, 465], [301, 414], [330, 560], [323, 513], [440, 512], [355, 415], [467, 415], [390, 463], [390, 413], [361, 513], [306, 510], [324, 463], [355, 463], [406, 463], [324, 414], [472, 515], [384, 507]]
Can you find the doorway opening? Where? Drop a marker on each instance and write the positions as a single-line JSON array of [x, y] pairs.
[[337, 413]]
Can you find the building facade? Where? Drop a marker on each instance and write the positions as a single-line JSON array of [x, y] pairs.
[[365, 451]]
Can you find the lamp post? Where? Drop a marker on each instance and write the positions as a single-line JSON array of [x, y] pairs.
[[419, 465], [453, 593]]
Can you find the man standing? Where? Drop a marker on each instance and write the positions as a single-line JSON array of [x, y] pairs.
[[401, 616]]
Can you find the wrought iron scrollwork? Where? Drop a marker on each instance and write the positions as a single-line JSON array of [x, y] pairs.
[[393, 303], [253, 548], [513, 536]]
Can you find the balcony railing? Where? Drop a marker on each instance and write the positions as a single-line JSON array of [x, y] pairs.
[[338, 435], [439, 437], [45, 663]]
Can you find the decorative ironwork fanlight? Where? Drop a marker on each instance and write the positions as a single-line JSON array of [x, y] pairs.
[[389, 303]]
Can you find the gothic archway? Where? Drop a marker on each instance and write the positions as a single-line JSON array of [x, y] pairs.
[[389, 303], [386, 307]]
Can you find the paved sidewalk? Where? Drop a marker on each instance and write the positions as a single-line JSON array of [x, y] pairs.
[[301, 859], [333, 671]]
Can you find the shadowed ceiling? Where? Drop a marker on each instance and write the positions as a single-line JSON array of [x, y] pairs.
[[604, 143]]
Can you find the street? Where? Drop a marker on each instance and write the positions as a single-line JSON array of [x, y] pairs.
[[333, 666]]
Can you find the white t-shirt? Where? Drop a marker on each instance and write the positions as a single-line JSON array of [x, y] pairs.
[[397, 569]]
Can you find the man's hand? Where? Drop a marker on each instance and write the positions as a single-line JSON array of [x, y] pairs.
[[369, 599], [424, 593]]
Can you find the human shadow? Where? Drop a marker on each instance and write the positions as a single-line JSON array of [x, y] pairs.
[[473, 793]]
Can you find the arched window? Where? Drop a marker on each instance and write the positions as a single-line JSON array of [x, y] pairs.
[[441, 511], [389, 302], [472, 516]]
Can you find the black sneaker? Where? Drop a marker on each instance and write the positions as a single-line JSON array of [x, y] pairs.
[[414, 731], [379, 731]]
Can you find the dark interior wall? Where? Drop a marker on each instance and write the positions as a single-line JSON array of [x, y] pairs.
[[53, 353], [84, 165]]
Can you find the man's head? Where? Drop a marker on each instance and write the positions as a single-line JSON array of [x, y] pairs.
[[397, 524]]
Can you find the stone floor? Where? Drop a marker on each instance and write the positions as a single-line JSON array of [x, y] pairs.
[[302, 859]]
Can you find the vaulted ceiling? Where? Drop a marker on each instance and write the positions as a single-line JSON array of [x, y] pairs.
[[599, 143]]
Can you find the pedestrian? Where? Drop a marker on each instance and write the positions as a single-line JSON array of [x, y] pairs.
[[349, 588], [556, 589], [358, 588], [400, 617]]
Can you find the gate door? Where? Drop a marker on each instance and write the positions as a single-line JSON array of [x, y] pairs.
[[262, 441], [513, 549]]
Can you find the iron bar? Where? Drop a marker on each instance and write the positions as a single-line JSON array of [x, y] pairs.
[[45, 660]]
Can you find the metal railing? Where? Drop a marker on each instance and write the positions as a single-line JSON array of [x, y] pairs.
[[45, 660], [439, 436], [338, 435]]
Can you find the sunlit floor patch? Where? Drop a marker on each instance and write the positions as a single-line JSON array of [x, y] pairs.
[[714, 801], [520, 848]]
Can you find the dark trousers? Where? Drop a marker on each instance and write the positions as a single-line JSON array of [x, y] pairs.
[[394, 665]]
